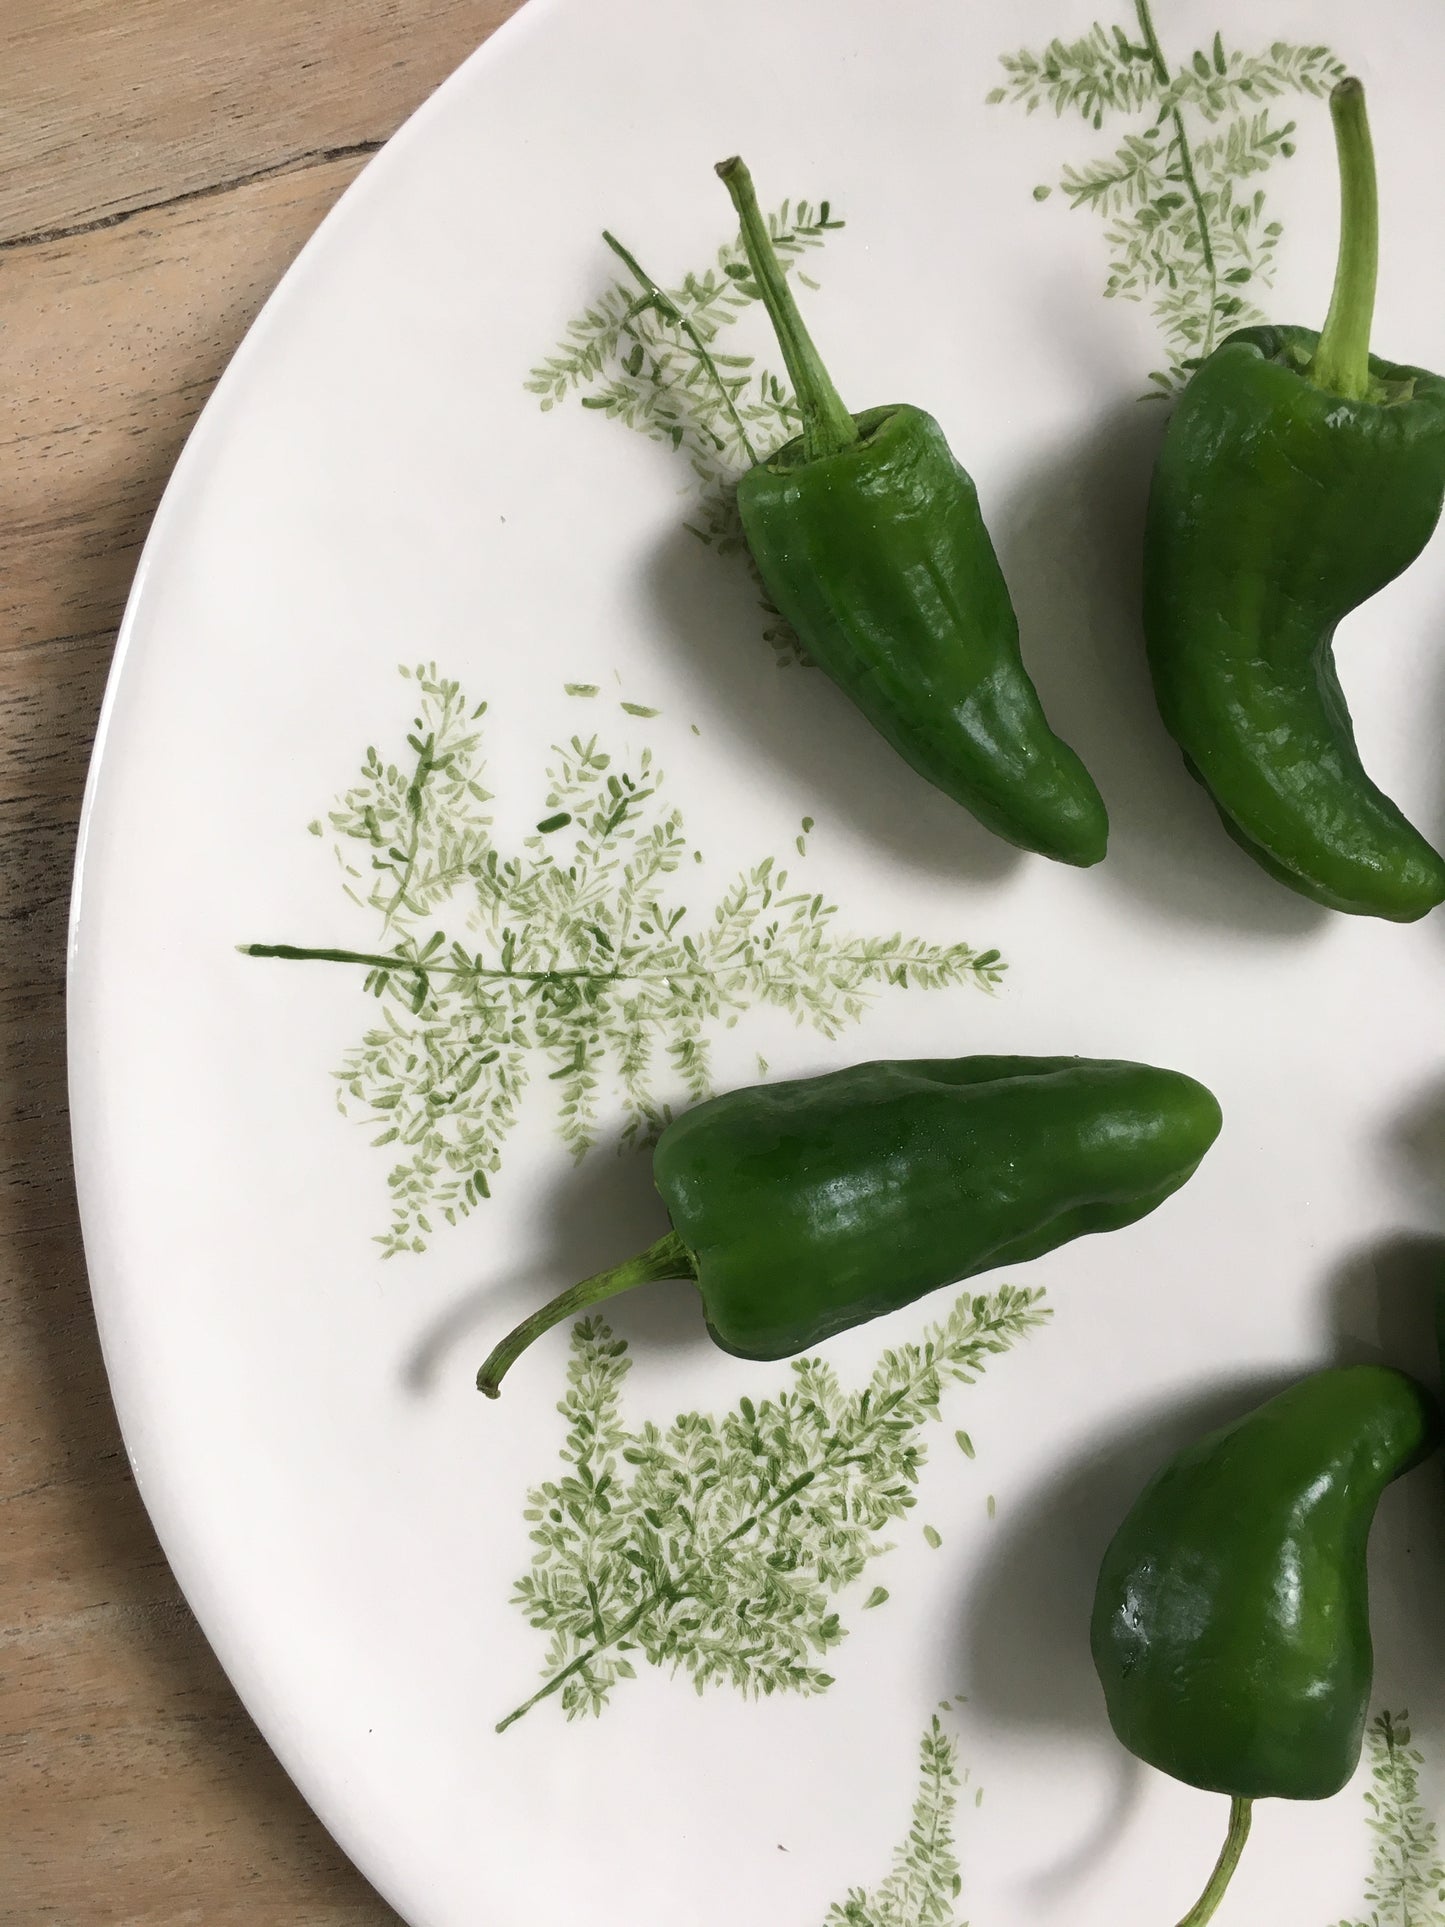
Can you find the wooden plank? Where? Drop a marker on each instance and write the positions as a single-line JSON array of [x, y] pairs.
[[132, 1786], [94, 425], [132, 1809], [118, 104], [133, 1789]]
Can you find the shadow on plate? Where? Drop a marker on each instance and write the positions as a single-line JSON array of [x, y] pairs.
[[1069, 536], [1026, 1643], [1381, 1301], [599, 1214], [1418, 1139], [797, 720]]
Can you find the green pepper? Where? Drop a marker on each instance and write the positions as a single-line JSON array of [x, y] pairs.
[[868, 538], [1299, 474], [803, 1208], [1231, 1628]]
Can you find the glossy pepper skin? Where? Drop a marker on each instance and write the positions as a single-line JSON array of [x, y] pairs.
[[807, 1207], [1298, 475], [1231, 1628], [1231, 1623], [868, 537]]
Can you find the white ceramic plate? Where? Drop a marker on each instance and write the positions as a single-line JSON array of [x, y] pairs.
[[421, 458]]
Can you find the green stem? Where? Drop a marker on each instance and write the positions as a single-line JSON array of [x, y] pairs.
[[668, 1258], [685, 971], [1186, 169], [1151, 41], [1342, 359], [659, 298], [425, 764], [559, 1679], [378, 960], [827, 426], [1240, 1814]]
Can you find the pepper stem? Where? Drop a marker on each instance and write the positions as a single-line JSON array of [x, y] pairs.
[[827, 425], [1342, 359], [668, 1258], [1240, 1814]]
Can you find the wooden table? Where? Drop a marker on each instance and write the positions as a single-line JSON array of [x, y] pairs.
[[161, 161]]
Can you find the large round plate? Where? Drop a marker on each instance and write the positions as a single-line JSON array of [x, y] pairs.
[[442, 662]]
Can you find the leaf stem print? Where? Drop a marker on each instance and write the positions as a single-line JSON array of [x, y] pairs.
[[1406, 1887], [925, 1879], [716, 1547], [570, 958], [1183, 229], [655, 364], [1186, 169], [656, 298]]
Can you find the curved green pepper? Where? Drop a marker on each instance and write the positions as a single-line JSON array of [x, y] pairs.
[[1231, 1625], [1298, 476], [804, 1208], [868, 537]]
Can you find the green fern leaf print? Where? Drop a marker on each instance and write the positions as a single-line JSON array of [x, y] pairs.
[[1180, 197], [924, 1881], [572, 959], [658, 360], [1406, 1887], [718, 1548]]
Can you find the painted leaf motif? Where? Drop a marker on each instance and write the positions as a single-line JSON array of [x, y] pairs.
[[1406, 1887], [573, 963], [925, 1879], [1183, 230], [720, 1548]]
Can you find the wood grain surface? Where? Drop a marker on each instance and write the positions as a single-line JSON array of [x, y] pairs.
[[161, 161]]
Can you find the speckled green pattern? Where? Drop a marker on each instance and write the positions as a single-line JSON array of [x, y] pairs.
[[577, 960], [1181, 195]]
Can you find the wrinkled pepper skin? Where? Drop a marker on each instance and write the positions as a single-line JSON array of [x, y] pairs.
[[803, 1208], [1231, 1623], [879, 558], [868, 537], [1278, 507]]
